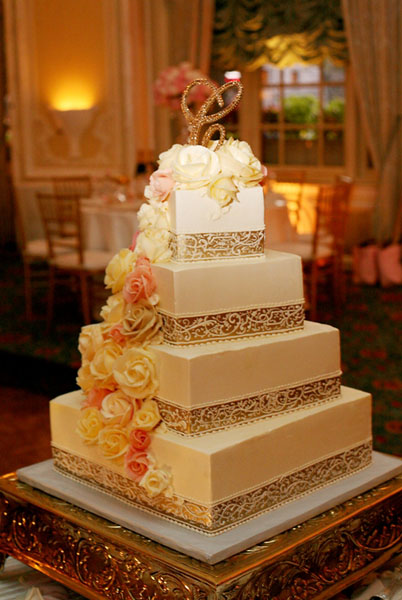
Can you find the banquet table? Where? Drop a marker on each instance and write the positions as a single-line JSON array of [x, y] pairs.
[[109, 225]]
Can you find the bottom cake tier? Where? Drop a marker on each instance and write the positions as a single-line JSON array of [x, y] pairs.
[[225, 478]]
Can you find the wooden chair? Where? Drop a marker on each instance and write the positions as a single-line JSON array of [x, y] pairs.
[[61, 217], [322, 253], [278, 181], [73, 186]]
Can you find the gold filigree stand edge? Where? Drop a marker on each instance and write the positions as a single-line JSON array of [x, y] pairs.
[[101, 560]]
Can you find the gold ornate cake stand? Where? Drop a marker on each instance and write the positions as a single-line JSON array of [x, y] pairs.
[[101, 560]]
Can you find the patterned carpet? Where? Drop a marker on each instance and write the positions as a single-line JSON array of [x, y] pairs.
[[370, 328]]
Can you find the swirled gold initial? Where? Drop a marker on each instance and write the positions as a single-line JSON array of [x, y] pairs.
[[197, 121]]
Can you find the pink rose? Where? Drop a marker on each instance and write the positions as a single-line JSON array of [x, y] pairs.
[[136, 464], [139, 439], [161, 183], [140, 283], [95, 397], [116, 334]]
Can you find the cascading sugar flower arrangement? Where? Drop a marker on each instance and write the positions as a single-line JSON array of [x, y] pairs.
[[118, 375]]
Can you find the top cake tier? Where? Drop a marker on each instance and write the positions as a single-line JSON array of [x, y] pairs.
[[198, 232]]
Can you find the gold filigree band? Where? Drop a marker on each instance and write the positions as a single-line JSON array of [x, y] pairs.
[[216, 518], [202, 420], [231, 325], [191, 247]]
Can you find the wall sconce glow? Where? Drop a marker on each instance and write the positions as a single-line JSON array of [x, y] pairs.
[[74, 123]]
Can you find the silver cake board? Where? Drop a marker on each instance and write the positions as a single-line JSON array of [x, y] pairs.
[[210, 549]]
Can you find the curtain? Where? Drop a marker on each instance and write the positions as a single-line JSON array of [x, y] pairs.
[[374, 32], [309, 30]]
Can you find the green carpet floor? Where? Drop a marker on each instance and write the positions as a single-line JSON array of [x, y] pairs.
[[370, 326]]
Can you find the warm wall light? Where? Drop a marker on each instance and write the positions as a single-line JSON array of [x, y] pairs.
[[74, 123]]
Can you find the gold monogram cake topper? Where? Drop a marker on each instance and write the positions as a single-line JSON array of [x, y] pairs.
[[197, 121]]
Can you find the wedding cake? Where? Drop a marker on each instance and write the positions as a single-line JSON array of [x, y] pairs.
[[205, 398]]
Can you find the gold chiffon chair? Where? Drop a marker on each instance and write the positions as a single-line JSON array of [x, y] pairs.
[[62, 222]]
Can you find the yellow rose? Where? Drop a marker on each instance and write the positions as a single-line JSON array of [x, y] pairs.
[[237, 160], [155, 481], [154, 244], [194, 166], [141, 323], [135, 373], [90, 340], [113, 442], [117, 269], [101, 366], [113, 310], [85, 379], [117, 408], [89, 425], [147, 417], [222, 189]]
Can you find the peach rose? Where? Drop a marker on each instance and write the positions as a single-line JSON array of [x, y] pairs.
[[155, 481], [90, 425], [113, 310], [117, 407], [135, 373], [136, 463], [147, 417], [101, 367], [161, 184], [90, 339], [95, 397], [116, 333], [140, 283], [118, 269], [113, 442], [142, 323], [139, 439], [85, 379]]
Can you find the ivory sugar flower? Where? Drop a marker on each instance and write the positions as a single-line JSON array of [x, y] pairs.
[[89, 425], [113, 442], [195, 166], [101, 367], [155, 481], [154, 243], [135, 373], [237, 159], [117, 407], [222, 189], [118, 268], [142, 323], [147, 417], [90, 339], [113, 310], [85, 380]]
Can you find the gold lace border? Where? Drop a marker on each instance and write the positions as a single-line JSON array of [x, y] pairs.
[[191, 247], [224, 515], [202, 420], [230, 325]]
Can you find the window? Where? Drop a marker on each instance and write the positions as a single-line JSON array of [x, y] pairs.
[[302, 115]]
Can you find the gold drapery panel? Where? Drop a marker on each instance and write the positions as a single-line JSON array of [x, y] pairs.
[[249, 33], [374, 31]]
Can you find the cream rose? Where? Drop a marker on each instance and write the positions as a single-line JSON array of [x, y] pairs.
[[101, 367], [152, 216], [169, 157], [154, 244], [147, 417], [195, 166], [90, 340], [117, 269], [113, 310], [85, 380], [113, 442], [117, 407], [222, 189], [135, 373], [155, 481], [142, 323], [237, 159], [89, 425]]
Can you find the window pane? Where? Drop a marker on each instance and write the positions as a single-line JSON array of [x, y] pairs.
[[301, 105], [270, 75], [270, 147], [334, 104], [333, 148], [299, 151], [270, 102], [301, 74], [332, 73]]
